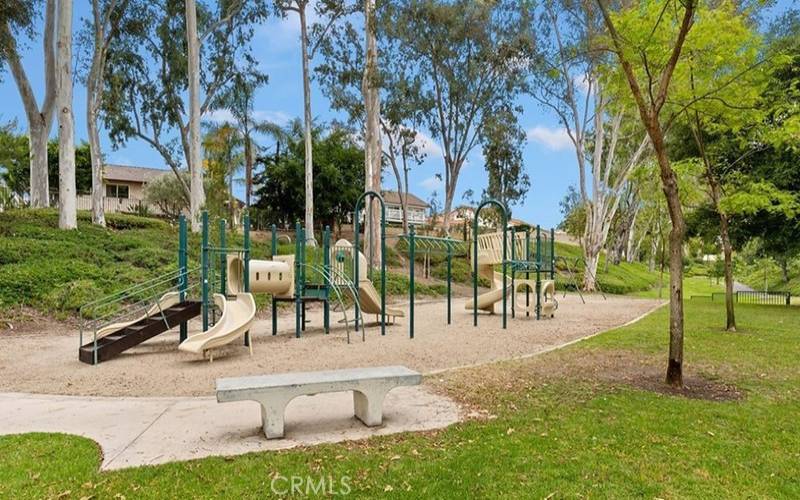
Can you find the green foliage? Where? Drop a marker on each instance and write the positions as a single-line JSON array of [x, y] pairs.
[[338, 176], [146, 75], [15, 162], [620, 278], [503, 140], [166, 192]]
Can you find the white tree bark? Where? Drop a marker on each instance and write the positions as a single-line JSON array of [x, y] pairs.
[[67, 197], [94, 90], [372, 150], [197, 197], [307, 122], [40, 120]]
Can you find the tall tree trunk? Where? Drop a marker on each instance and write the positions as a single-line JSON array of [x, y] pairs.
[[39, 120], [67, 200], [93, 96], [372, 151], [727, 249], [670, 186], [307, 119], [449, 194], [197, 196], [38, 132], [631, 247], [98, 211], [716, 195]]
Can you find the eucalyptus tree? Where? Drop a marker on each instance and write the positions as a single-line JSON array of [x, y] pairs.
[[239, 100], [148, 75], [67, 197], [341, 74], [310, 41], [18, 21], [107, 20], [503, 140], [466, 61], [566, 79]]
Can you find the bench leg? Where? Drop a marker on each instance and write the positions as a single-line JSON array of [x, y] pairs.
[[272, 418], [368, 407]]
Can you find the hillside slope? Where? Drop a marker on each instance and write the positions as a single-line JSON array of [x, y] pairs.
[[55, 271]]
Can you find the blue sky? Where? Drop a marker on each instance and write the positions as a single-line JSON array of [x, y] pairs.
[[548, 155]]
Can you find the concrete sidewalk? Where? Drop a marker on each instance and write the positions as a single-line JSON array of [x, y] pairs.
[[143, 431]]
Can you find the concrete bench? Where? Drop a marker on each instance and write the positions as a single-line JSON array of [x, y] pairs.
[[273, 392]]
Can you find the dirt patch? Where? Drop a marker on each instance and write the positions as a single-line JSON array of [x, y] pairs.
[[47, 362], [593, 369], [24, 320]]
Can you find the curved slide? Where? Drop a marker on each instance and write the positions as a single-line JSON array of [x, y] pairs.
[[237, 317], [487, 300], [370, 301]]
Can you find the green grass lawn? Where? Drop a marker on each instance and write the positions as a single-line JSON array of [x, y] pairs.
[[692, 286], [588, 420]]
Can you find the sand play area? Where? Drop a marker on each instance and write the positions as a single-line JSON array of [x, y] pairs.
[[46, 361]]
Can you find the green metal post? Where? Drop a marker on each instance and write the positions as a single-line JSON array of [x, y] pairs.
[[223, 259], [527, 271], [449, 278], [273, 252], [475, 271], [513, 271], [246, 280], [204, 266], [383, 268], [326, 265], [505, 269], [411, 251], [183, 259], [298, 285], [475, 259], [538, 271], [552, 254]]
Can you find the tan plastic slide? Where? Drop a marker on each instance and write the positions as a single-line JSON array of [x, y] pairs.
[[370, 301], [167, 300], [487, 300], [237, 317]]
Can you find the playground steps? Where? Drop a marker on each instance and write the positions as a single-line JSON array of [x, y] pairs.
[[136, 333]]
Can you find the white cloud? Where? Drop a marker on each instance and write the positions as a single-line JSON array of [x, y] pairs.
[[225, 116], [432, 183], [219, 116], [428, 146], [581, 82], [277, 117], [555, 139]]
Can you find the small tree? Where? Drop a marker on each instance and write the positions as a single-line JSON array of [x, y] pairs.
[[166, 193], [503, 140]]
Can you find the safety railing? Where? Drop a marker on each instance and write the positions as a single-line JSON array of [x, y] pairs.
[[137, 301]]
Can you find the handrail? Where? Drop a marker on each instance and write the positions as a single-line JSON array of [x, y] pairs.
[[152, 290], [114, 297], [328, 274]]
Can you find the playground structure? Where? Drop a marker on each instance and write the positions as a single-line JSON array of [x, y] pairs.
[[492, 249], [221, 289]]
